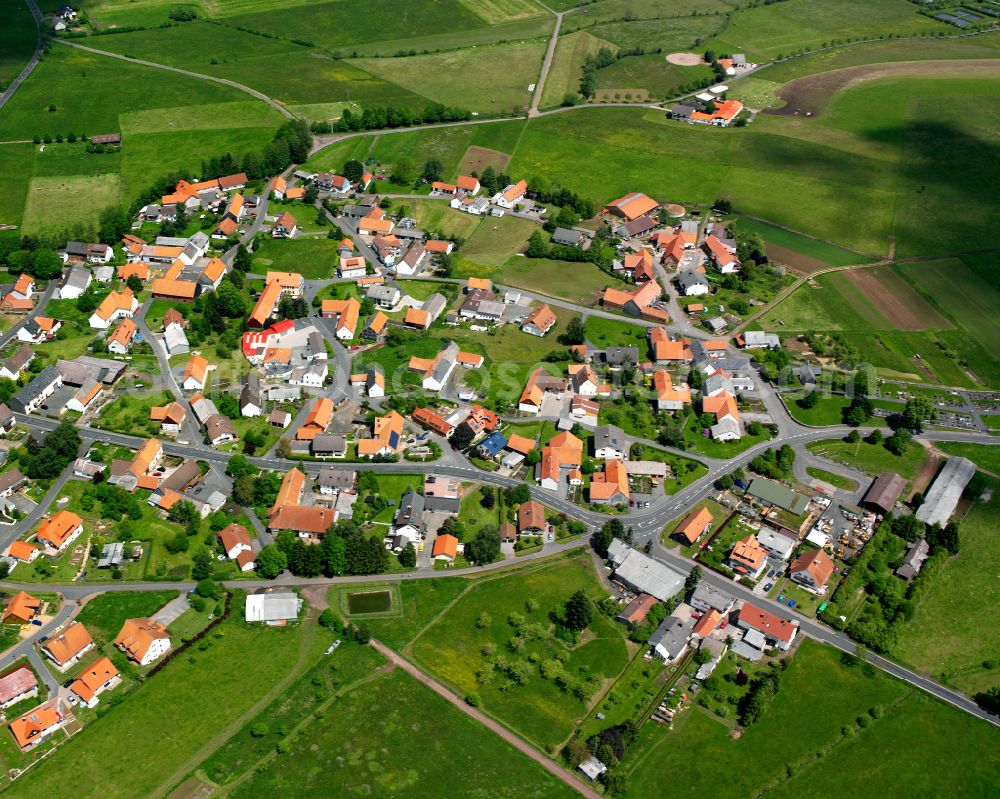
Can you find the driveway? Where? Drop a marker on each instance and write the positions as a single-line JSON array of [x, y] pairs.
[[171, 611]]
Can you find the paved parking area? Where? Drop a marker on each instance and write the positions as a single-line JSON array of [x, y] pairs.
[[171, 611]]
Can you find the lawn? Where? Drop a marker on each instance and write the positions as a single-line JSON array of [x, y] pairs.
[[314, 258], [396, 737], [17, 41], [603, 332], [909, 751], [16, 165], [567, 65], [492, 243], [646, 78], [468, 78], [580, 283], [105, 614], [208, 704], [871, 458], [53, 203], [700, 444], [942, 639], [985, 456], [818, 697], [797, 243], [310, 693], [828, 410], [437, 216], [129, 413], [836, 480], [772, 32], [452, 648]]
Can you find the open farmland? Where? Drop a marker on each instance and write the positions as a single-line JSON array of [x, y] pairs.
[[54, 203], [396, 737], [791, 751], [648, 77], [451, 648], [767, 32], [17, 40], [210, 706], [567, 65], [467, 78], [941, 639]]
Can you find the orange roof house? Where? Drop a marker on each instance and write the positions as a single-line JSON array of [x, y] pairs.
[[387, 436], [445, 547], [94, 680], [631, 206], [748, 556], [195, 373], [317, 420], [707, 623], [665, 349], [23, 551], [483, 283], [36, 725], [725, 112], [567, 448], [60, 529], [65, 648], [143, 640], [122, 338], [694, 525], [666, 395], [21, 608], [168, 288], [611, 484], [416, 317], [266, 304], [814, 568], [721, 406], [290, 492], [539, 321], [138, 268], [147, 457], [518, 443]]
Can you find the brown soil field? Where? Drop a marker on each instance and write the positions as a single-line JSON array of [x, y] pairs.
[[685, 59], [810, 95], [796, 261], [896, 300], [478, 158]]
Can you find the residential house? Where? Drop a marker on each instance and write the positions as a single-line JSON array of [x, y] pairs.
[[37, 329], [285, 226], [482, 305], [540, 321], [445, 548], [60, 530], [409, 521], [76, 282], [352, 266], [644, 302], [143, 640], [748, 557], [235, 540], [22, 552], [16, 686], [635, 612], [22, 607], [171, 416], [387, 437], [84, 397], [609, 443], [491, 446], [251, 400], [531, 518], [913, 560], [97, 678], [722, 255], [412, 260], [511, 195], [325, 446], [16, 363], [375, 327], [670, 640], [116, 305], [437, 247], [316, 422], [33, 396], [333, 480], [219, 430], [812, 569], [385, 297], [426, 417], [345, 315], [722, 116], [723, 407], [694, 526], [666, 396], [436, 371], [37, 725], [563, 452], [692, 283], [778, 632], [121, 340], [66, 648], [195, 374], [610, 487]]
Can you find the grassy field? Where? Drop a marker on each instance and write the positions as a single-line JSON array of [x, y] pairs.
[[953, 302], [313, 258], [796, 243], [53, 203], [310, 693], [451, 648], [459, 77], [827, 411], [397, 738], [209, 705], [17, 41], [794, 746], [437, 215], [941, 639], [767, 32], [983, 455], [105, 614], [567, 64], [646, 77], [492, 243], [581, 283], [669, 33], [609, 333], [836, 480], [871, 458]]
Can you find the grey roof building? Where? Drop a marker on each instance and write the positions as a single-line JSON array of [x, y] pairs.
[[609, 441], [706, 597], [87, 367], [329, 446], [31, 396], [881, 496], [251, 403], [619, 356], [567, 236], [335, 479], [671, 638], [689, 280], [411, 510], [643, 574], [940, 502], [916, 554]]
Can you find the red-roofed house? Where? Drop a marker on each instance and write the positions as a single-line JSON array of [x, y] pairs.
[[779, 632]]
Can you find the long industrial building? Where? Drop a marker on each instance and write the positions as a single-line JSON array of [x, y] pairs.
[[941, 501]]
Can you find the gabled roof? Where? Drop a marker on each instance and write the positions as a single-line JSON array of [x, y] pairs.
[[114, 302], [816, 563], [58, 528], [769, 624], [69, 643], [694, 524], [93, 678], [138, 635], [632, 205], [445, 545]]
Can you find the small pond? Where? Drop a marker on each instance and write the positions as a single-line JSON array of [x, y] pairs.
[[369, 602]]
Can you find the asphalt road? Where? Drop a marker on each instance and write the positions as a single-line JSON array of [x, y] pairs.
[[32, 62]]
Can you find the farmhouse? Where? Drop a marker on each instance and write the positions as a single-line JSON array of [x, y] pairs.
[[644, 302], [631, 206], [539, 321], [725, 112], [666, 396], [511, 195], [117, 305], [17, 686]]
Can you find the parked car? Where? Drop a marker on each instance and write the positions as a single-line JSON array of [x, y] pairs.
[[768, 587]]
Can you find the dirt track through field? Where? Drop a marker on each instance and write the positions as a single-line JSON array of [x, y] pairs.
[[553, 768], [810, 95], [900, 314]]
